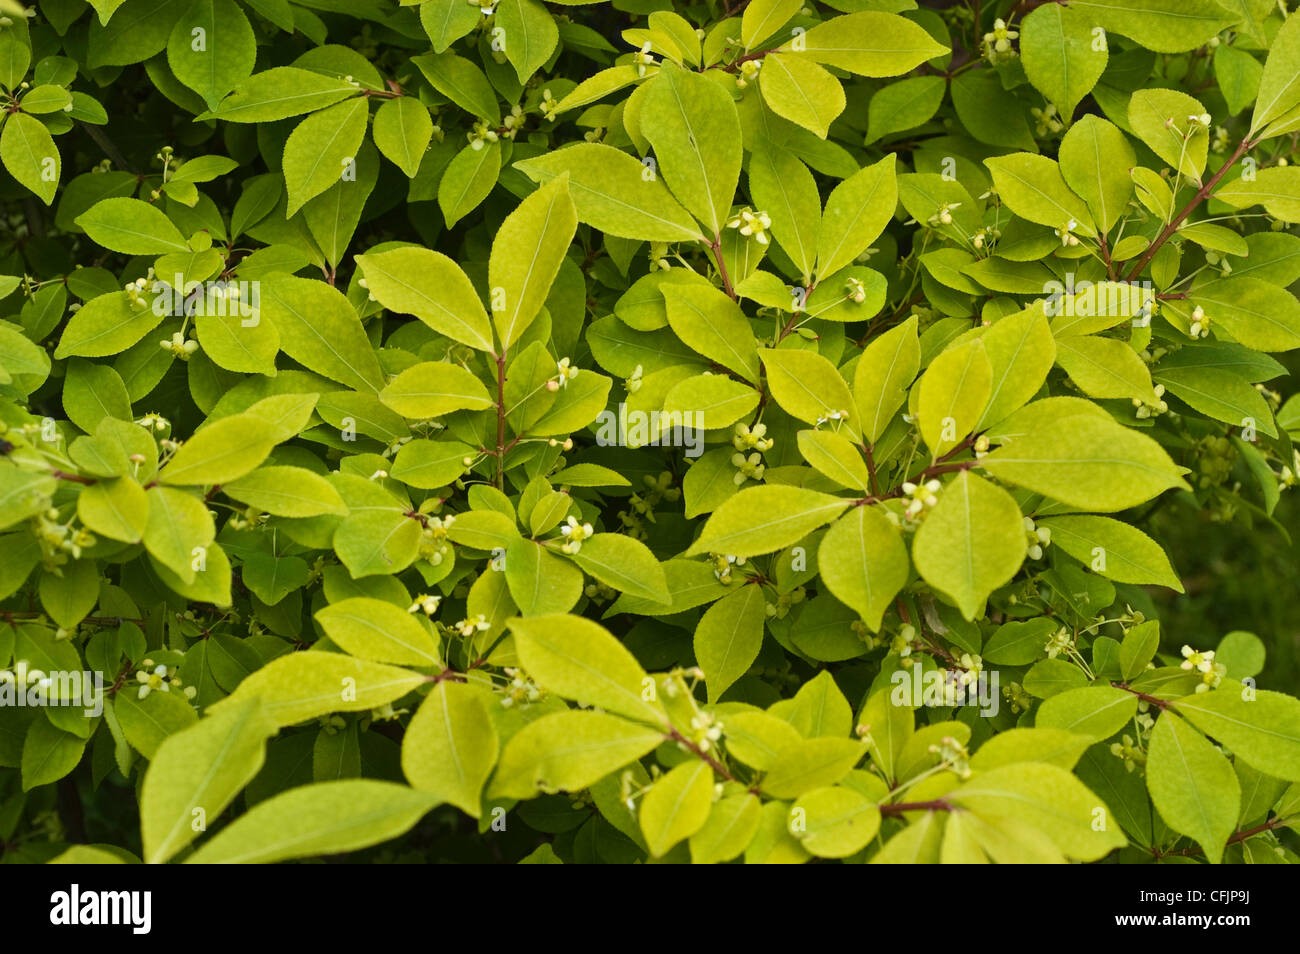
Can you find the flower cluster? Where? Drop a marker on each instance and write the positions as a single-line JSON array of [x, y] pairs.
[[1039, 537], [1060, 642], [1147, 409], [997, 42], [564, 373], [520, 690], [752, 224], [426, 604], [470, 625], [574, 533], [1200, 323], [722, 564], [1129, 751], [160, 679], [920, 498], [1202, 662], [433, 539]]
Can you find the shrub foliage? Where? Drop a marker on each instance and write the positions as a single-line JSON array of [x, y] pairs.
[[647, 431]]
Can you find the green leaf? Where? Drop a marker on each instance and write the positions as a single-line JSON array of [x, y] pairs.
[[147, 723], [756, 738], [435, 388], [1034, 189], [624, 563], [378, 631], [955, 389], [1275, 188], [430, 286], [677, 806], [196, 773], [321, 819], [48, 754], [1242, 653], [868, 43], [379, 542], [971, 543], [279, 93], [16, 49], [430, 464], [1161, 118], [810, 764], [131, 227], [904, 105], [1192, 785], [783, 187], [808, 387], [883, 374], [835, 457], [107, 324], [1019, 643], [692, 124], [1097, 712], [68, 598], [579, 660], [322, 149], [1114, 549], [320, 329], [450, 747], [468, 179], [836, 821], [446, 21], [236, 343], [730, 827], [616, 194], [1049, 799], [728, 638], [116, 508], [529, 34], [483, 530], [1095, 162], [801, 91], [762, 519], [179, 523], [306, 685], [402, 132], [286, 492], [714, 400], [1139, 648], [711, 323], [1238, 74], [863, 561], [1050, 677], [221, 452], [568, 751], [818, 708], [212, 48], [1261, 728], [29, 153], [1256, 313], [1105, 367], [763, 18], [1279, 84], [1166, 26], [1020, 350], [1057, 47], [1087, 462], [919, 843], [463, 83], [857, 211], [526, 256]]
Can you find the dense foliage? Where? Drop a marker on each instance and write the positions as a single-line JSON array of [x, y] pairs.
[[648, 431]]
